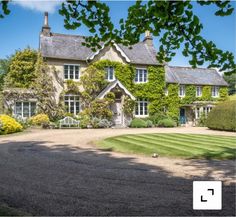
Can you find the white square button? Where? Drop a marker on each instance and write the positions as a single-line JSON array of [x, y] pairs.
[[207, 195]]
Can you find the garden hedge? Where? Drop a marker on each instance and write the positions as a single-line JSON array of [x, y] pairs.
[[223, 117]]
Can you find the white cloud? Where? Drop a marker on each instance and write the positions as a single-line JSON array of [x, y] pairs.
[[39, 5]]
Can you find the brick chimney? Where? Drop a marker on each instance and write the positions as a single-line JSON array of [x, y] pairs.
[[46, 30], [148, 38]]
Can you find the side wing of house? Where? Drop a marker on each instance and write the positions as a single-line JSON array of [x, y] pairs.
[[199, 90]]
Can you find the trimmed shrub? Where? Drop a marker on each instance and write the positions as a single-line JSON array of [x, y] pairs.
[[149, 123], [9, 125], [138, 123], [40, 120], [157, 117], [223, 116], [84, 120], [104, 123], [167, 122]]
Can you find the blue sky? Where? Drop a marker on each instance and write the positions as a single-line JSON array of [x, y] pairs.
[[22, 27]]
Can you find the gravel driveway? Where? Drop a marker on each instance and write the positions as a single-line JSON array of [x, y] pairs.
[[59, 172]]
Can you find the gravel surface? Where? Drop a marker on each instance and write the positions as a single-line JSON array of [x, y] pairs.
[[59, 172]]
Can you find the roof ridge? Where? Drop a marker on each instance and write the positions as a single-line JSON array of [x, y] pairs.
[[189, 67], [68, 35]]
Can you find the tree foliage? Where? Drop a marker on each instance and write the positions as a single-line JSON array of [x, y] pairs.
[[4, 68], [22, 69], [44, 90], [231, 80], [174, 22]]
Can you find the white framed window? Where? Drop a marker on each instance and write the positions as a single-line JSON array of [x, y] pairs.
[[198, 91], [25, 109], [141, 75], [215, 91], [71, 72], [72, 103], [110, 75], [207, 109], [181, 90], [141, 107]]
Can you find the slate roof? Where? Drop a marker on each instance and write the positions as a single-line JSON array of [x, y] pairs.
[[188, 75], [70, 47], [64, 46]]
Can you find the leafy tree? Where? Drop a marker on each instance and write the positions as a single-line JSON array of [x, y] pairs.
[[231, 79], [174, 22], [4, 68], [3, 8], [22, 69], [45, 91]]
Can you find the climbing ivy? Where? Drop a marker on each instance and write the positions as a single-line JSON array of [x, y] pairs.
[[153, 91]]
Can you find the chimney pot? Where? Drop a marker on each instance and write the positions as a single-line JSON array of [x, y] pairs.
[[148, 38], [46, 30], [46, 19]]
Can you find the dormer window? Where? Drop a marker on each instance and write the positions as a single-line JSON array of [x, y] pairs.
[[71, 72], [181, 90], [215, 91], [110, 73], [141, 75]]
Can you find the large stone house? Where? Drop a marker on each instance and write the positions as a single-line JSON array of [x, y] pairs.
[[70, 58]]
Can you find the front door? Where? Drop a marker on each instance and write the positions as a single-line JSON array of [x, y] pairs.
[[117, 111], [182, 116]]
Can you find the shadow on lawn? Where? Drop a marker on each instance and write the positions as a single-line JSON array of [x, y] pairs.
[[64, 180], [225, 153]]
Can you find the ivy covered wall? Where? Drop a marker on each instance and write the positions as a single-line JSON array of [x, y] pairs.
[[154, 89]]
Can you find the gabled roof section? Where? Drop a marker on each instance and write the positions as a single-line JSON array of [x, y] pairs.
[[92, 56], [196, 76], [141, 53], [111, 85], [70, 47]]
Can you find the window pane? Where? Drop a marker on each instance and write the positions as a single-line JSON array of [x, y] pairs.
[[77, 108], [140, 75], [18, 109], [136, 108], [145, 108], [72, 107], [136, 76], [25, 109], [33, 108], [65, 71], [76, 72], [144, 75], [141, 108], [71, 72]]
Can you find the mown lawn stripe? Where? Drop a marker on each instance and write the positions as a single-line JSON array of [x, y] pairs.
[[167, 144], [208, 141], [213, 138], [192, 142], [180, 144]]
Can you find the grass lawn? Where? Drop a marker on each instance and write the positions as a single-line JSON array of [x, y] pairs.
[[173, 145]]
